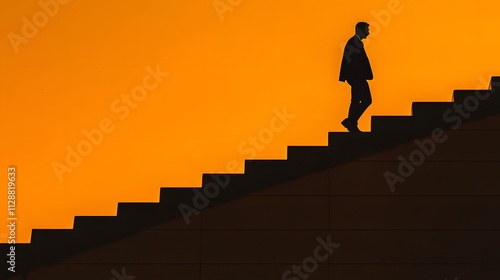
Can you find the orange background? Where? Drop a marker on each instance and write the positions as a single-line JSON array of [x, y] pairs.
[[227, 74]]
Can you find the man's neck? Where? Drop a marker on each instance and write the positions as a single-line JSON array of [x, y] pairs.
[[358, 37]]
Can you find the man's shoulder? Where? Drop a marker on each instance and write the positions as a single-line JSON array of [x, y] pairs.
[[351, 40], [354, 37], [354, 41]]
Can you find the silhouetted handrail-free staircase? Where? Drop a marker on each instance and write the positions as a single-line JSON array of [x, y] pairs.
[[50, 246]]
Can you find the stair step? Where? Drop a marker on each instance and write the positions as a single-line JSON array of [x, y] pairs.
[[47, 236], [136, 216], [273, 170], [388, 124], [172, 197], [431, 115], [431, 110], [421, 109], [346, 146], [309, 158], [219, 188], [48, 246], [460, 95], [479, 103], [307, 152], [495, 83], [256, 166], [90, 231], [104, 224]]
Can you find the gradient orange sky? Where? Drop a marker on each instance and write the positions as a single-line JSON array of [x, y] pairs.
[[230, 72]]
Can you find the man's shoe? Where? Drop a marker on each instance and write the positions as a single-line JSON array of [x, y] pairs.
[[346, 123], [354, 129], [350, 127]]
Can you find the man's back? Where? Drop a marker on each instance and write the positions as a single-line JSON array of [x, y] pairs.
[[355, 62]]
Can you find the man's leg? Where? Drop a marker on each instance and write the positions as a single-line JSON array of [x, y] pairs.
[[365, 98], [355, 109]]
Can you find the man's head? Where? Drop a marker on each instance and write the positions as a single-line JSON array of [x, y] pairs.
[[362, 29]]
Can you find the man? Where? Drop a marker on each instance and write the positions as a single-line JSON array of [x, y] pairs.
[[356, 70]]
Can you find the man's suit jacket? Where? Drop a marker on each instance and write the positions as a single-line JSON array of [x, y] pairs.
[[355, 62]]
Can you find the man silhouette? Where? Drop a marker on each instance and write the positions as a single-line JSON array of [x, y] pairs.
[[356, 70]]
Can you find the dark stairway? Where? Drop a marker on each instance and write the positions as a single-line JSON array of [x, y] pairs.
[[442, 218]]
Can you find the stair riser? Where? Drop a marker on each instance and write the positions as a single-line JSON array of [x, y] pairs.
[[495, 84], [393, 124], [348, 146], [280, 171], [478, 103], [472, 96], [309, 156], [429, 116]]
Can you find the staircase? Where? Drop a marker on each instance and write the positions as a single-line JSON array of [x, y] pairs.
[[438, 220]]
